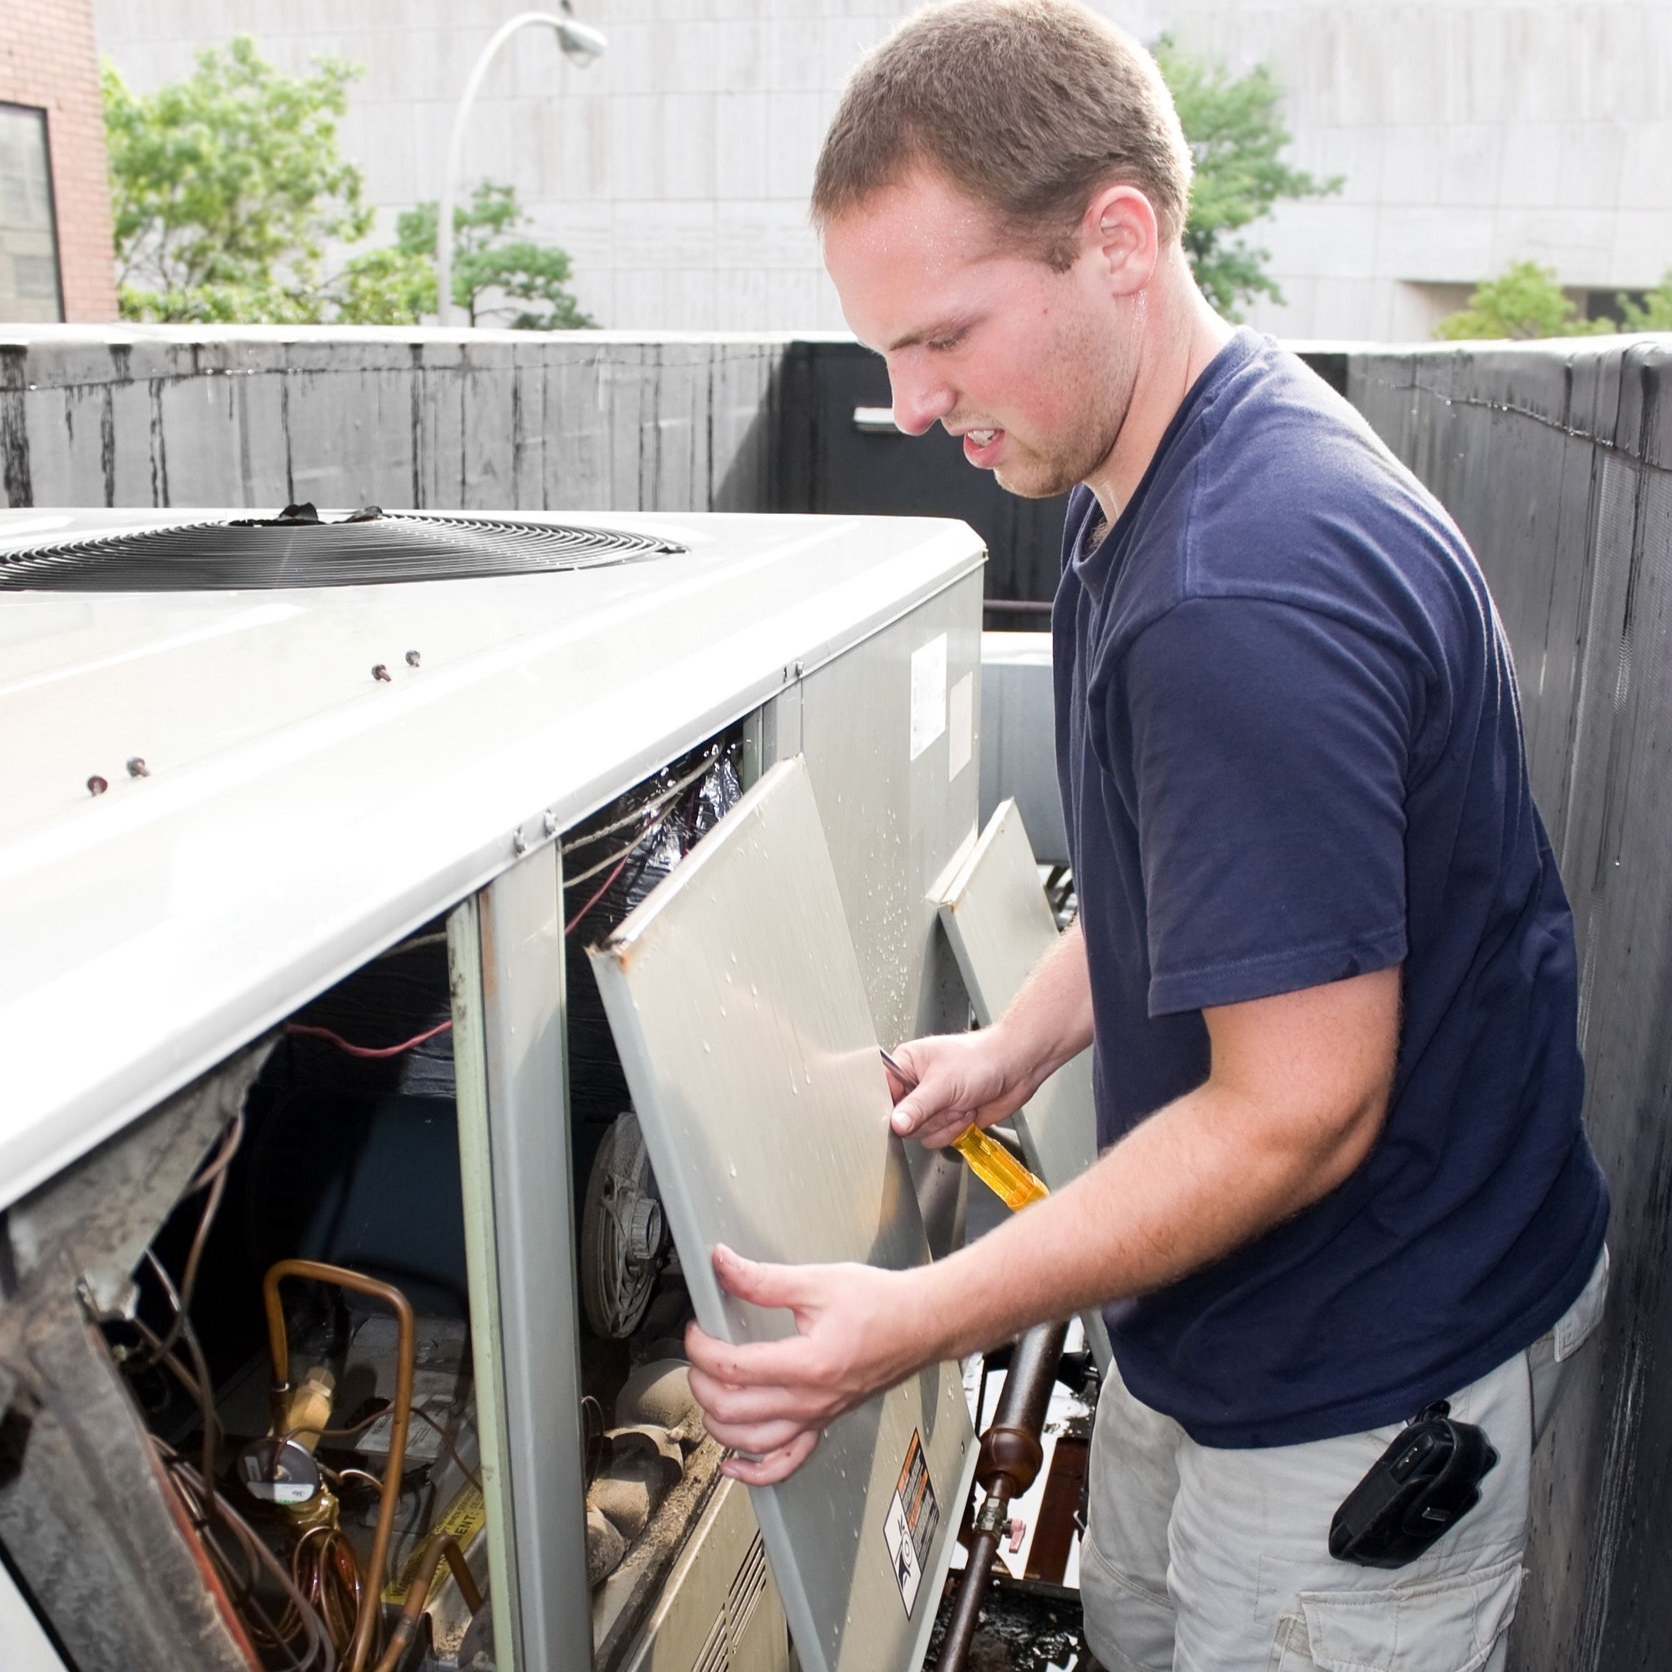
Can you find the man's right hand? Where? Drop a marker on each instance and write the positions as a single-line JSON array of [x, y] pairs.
[[962, 1079], [978, 1078]]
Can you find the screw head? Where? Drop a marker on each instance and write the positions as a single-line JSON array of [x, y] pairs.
[[413, 658], [382, 673], [137, 767], [97, 785], [519, 842]]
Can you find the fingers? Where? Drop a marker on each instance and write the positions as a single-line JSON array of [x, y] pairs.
[[776, 1465], [728, 1402], [789, 1362], [758, 1438], [761, 1285]]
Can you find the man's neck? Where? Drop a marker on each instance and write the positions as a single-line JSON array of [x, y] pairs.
[[1178, 335]]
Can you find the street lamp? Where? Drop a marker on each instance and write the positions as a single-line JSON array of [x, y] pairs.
[[580, 43]]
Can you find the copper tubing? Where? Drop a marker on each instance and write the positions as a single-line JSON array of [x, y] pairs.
[[371, 1601], [443, 1544], [1008, 1463]]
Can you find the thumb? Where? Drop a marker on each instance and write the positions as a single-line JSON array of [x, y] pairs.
[[753, 1281]]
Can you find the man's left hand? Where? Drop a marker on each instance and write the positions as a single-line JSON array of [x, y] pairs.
[[858, 1330]]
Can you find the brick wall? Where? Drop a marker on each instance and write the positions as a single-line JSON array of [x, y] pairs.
[[48, 58]]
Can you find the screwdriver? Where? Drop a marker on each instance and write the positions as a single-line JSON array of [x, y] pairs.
[[988, 1159]]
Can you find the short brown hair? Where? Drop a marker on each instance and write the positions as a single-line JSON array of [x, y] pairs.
[[1028, 106]]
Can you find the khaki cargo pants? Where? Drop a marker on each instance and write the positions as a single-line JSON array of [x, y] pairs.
[[1206, 1560]]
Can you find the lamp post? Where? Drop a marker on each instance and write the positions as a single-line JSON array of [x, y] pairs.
[[580, 43]]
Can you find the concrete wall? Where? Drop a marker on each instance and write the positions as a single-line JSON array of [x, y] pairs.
[[265, 416], [1557, 462], [48, 60], [1471, 133]]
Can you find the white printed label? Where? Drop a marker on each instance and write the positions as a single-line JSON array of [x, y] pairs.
[[960, 726], [909, 1525], [928, 694]]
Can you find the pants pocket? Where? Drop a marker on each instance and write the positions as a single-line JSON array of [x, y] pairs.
[[1442, 1625], [1128, 1626]]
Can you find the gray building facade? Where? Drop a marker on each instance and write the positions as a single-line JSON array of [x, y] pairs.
[[675, 170]]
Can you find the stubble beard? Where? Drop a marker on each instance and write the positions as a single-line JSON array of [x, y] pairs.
[[1105, 398]]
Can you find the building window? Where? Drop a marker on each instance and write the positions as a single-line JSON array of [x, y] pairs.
[[29, 286]]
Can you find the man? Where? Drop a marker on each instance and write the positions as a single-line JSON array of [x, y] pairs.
[[1323, 957]]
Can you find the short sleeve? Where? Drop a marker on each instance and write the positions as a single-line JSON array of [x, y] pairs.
[[1268, 748]]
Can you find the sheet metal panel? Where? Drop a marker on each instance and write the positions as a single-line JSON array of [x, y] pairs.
[[999, 924], [520, 918], [299, 813], [736, 1000], [1018, 738]]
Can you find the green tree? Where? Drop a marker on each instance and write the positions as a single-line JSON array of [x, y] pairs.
[[1234, 125], [1653, 313], [496, 278], [1523, 302], [226, 188]]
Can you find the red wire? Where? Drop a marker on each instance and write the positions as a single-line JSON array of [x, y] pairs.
[[370, 1052], [569, 927]]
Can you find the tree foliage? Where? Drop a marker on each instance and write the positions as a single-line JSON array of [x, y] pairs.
[[1524, 301], [227, 187], [1653, 313], [497, 278], [1235, 129], [228, 191]]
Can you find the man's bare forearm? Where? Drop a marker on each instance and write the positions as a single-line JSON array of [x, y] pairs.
[[1199, 1178]]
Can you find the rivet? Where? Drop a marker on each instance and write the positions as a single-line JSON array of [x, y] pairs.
[[137, 768], [413, 658], [381, 672], [519, 842], [97, 785], [549, 823]]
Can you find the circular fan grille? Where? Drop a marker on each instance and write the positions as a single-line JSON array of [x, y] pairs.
[[371, 550]]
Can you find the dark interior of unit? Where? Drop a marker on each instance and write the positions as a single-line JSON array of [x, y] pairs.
[[347, 1156], [299, 548]]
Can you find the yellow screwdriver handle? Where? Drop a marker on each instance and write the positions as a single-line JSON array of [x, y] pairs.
[[999, 1170]]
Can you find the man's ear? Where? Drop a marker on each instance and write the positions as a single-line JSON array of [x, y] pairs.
[[1120, 226]]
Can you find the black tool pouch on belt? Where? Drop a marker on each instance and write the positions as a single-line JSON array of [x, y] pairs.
[[1418, 1489]]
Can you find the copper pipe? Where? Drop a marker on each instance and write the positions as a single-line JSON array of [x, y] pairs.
[[371, 1602], [443, 1544], [1006, 1467]]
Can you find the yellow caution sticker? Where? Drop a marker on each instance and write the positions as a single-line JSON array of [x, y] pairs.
[[465, 1518]]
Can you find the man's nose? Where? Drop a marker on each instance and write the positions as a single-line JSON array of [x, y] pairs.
[[919, 402]]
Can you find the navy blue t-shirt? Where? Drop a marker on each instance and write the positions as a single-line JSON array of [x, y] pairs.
[[1290, 752]]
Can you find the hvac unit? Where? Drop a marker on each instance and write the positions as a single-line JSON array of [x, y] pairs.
[[328, 1227]]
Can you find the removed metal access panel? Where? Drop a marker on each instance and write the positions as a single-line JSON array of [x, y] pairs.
[[735, 997], [1000, 925]]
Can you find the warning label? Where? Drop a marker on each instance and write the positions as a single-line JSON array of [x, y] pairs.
[[909, 1528]]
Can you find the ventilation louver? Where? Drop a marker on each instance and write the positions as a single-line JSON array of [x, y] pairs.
[[298, 548]]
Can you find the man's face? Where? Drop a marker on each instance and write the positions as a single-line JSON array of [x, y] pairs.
[[1032, 367]]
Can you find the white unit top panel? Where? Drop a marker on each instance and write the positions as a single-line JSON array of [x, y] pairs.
[[297, 813]]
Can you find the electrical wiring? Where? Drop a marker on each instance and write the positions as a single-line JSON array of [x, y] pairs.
[[369, 1053], [452, 1450], [660, 799], [198, 1384], [213, 1176], [626, 852], [574, 922]]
